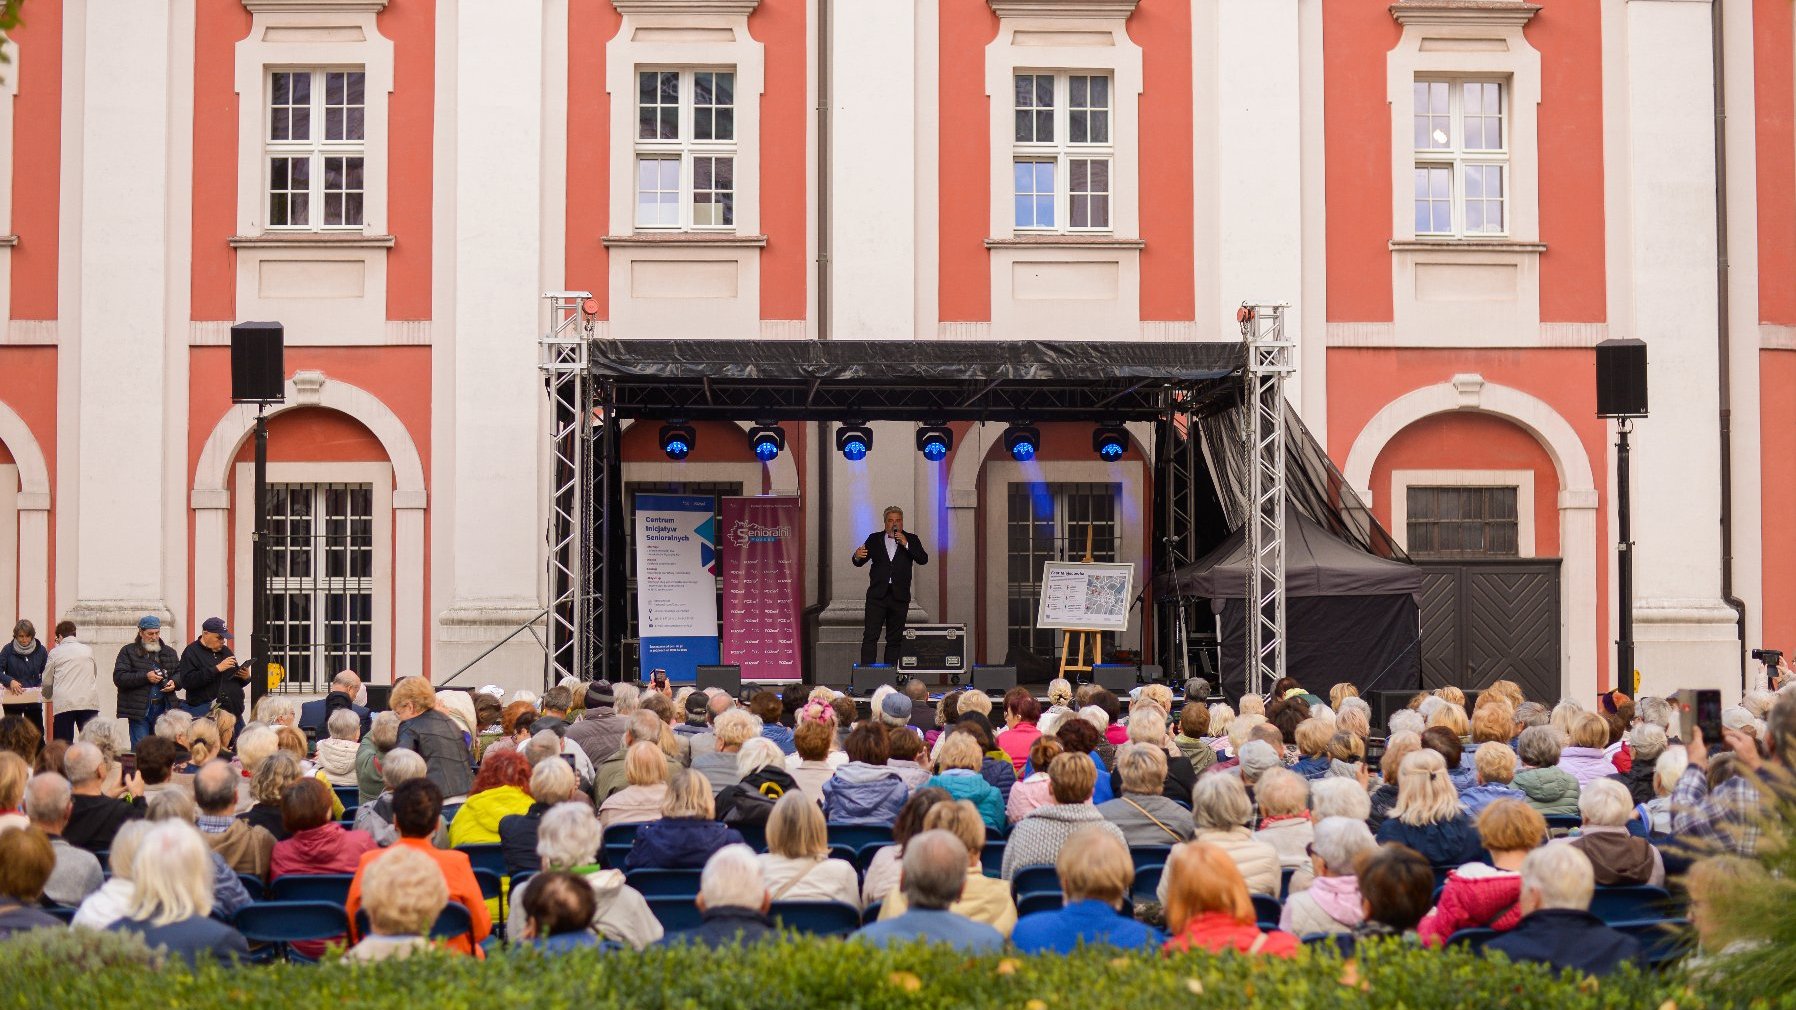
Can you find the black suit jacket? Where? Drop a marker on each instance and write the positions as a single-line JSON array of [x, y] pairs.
[[890, 577]]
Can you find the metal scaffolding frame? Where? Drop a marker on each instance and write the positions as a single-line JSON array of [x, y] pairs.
[[1268, 364], [575, 641]]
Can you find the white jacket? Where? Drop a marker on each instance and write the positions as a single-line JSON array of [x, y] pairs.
[[1257, 861], [72, 678]]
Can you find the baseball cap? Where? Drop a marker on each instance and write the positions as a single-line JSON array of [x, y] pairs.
[[698, 704], [895, 706], [149, 622], [216, 626]]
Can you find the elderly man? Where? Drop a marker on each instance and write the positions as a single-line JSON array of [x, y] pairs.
[[732, 897], [95, 817], [314, 716], [71, 683], [600, 731], [612, 775], [143, 672], [717, 702], [210, 674], [933, 875], [48, 803], [245, 847], [1557, 927]]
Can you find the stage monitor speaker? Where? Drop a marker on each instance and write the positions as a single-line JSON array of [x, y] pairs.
[[1621, 378], [1386, 702], [1120, 678], [832, 674], [863, 680], [380, 697], [994, 678], [727, 676], [257, 363]]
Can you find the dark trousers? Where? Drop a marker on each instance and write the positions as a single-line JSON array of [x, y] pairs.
[[889, 614], [67, 724]]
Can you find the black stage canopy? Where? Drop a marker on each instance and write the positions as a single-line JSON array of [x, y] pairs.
[[872, 380]]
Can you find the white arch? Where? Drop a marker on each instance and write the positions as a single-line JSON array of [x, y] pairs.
[[33, 506], [212, 501], [1577, 496]]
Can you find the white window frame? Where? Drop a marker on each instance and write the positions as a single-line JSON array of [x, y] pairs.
[[1063, 151], [686, 148], [315, 149], [1456, 158]]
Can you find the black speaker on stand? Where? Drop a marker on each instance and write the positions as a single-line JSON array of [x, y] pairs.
[[258, 376], [1621, 394]]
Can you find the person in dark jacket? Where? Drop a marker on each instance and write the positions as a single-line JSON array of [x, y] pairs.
[[551, 782], [1647, 741], [436, 738], [1428, 816], [143, 668], [764, 780], [1557, 927], [315, 715], [96, 817], [732, 897], [210, 674], [23, 659], [686, 836]]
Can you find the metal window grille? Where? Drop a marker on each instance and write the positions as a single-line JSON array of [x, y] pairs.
[[320, 581], [1463, 522], [1049, 522]]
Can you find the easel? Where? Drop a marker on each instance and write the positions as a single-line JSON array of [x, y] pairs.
[[1086, 640]]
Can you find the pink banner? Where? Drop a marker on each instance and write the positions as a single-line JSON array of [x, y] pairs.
[[759, 559]]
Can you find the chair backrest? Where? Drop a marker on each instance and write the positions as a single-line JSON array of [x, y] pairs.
[[453, 921], [871, 915], [286, 922], [331, 887], [1630, 904], [863, 856], [1284, 881], [819, 918], [675, 911], [349, 796], [252, 886], [1472, 939], [1149, 855], [857, 835], [991, 858], [1147, 882], [1035, 878], [618, 840], [66, 913], [492, 885], [1266, 910], [1039, 901], [845, 853], [753, 835], [653, 883], [487, 856], [1662, 941]]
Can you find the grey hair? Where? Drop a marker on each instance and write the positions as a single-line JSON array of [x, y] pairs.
[[1533, 713], [171, 875], [82, 763], [541, 747], [626, 697], [171, 805], [344, 724], [254, 745], [935, 869], [1428, 706], [1654, 710], [1648, 741], [1561, 875], [757, 754], [1406, 720], [99, 733], [732, 879], [1339, 797], [1096, 716], [568, 836], [1355, 703], [1340, 841], [1258, 758], [347, 680], [48, 798], [1281, 792], [174, 725], [1539, 746], [277, 710], [552, 782], [384, 733], [215, 787], [400, 765], [1605, 803], [1220, 803]]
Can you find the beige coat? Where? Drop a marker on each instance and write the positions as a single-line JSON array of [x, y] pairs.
[[986, 899], [633, 805], [1257, 861]]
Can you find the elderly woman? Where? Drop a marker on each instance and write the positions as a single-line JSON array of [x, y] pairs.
[[1143, 813], [568, 839], [1222, 720], [1208, 906], [1428, 816], [382, 736], [880, 881], [1646, 742], [1584, 759], [1331, 903], [1494, 766], [1284, 801], [1220, 813], [641, 801], [1022, 715], [171, 900], [1060, 691], [810, 766], [276, 772], [764, 779], [957, 772], [1037, 838], [1396, 885], [552, 782], [1485, 894], [1193, 736], [1312, 738], [1550, 788], [1384, 796], [1656, 812], [1618, 858], [1330, 797], [397, 767], [315, 843], [1147, 725], [1095, 876], [686, 834], [865, 790], [403, 893], [109, 904], [501, 789], [436, 738], [984, 899], [1034, 791], [26, 862], [335, 754], [796, 865], [732, 729]]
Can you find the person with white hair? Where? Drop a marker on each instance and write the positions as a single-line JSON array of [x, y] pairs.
[[1646, 741], [733, 901], [171, 900], [732, 729], [335, 754], [1141, 810], [108, 904], [1331, 797], [1556, 926], [1220, 811], [1656, 812], [277, 710], [762, 779], [933, 877], [382, 736], [403, 892], [568, 839], [376, 817], [1283, 798], [551, 784], [1060, 692], [1406, 720], [1331, 903], [95, 817], [1617, 857]]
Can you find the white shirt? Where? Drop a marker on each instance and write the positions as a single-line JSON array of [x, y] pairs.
[[106, 905], [891, 547], [810, 879], [71, 677]]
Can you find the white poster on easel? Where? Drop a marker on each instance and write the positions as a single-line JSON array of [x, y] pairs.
[[1086, 595]]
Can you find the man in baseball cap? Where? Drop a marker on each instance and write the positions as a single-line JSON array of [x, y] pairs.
[[210, 674]]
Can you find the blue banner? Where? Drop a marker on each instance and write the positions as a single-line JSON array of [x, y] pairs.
[[676, 583]]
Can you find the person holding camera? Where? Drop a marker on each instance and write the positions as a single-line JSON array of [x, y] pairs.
[[1730, 814]]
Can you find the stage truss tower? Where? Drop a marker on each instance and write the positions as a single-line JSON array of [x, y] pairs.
[[575, 458], [1268, 365]]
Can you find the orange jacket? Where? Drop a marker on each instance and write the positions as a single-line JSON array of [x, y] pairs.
[[458, 873]]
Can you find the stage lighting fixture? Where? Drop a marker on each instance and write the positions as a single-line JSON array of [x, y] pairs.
[[767, 440], [1022, 440], [934, 441], [1110, 443], [677, 440], [854, 441]]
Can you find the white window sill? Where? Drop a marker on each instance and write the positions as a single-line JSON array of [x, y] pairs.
[[1059, 241], [8, 241], [686, 240], [1467, 245], [312, 240]]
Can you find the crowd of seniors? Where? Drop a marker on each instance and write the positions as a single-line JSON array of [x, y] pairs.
[[1444, 829]]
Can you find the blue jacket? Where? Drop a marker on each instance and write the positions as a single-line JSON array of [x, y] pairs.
[[860, 793], [1479, 797], [1567, 938], [678, 843], [1104, 791], [724, 927], [964, 785], [783, 736], [26, 671], [1087, 922], [1444, 843], [937, 925], [190, 939], [1312, 768], [1001, 773], [1463, 778]]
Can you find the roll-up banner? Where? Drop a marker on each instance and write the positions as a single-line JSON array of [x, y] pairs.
[[676, 583], [761, 587]]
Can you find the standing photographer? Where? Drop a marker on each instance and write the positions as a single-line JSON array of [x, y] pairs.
[[210, 674]]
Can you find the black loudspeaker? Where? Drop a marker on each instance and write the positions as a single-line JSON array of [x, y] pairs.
[[994, 678], [1621, 378], [726, 676], [834, 675], [380, 697], [863, 680], [1386, 702], [258, 368], [1119, 678]]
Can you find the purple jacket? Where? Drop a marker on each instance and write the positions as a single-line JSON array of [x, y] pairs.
[[1586, 764]]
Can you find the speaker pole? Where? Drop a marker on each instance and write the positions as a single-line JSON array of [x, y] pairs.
[[1624, 561], [258, 566]]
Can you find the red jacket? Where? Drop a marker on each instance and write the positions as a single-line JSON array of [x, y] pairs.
[[1219, 931], [1476, 895], [327, 848], [1016, 742]]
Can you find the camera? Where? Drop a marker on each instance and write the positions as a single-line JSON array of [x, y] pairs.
[[1772, 658]]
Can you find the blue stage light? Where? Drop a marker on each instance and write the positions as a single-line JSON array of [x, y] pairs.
[[1110, 443], [854, 441], [767, 440], [1022, 441], [677, 440], [934, 441]]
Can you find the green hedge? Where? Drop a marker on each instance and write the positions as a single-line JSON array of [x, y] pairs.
[[90, 971]]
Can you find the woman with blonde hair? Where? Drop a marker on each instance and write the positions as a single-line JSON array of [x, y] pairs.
[[171, 900], [1584, 760], [796, 865], [1222, 717], [1096, 874], [1428, 816], [1397, 747], [13, 774], [984, 899], [1451, 716], [645, 767], [403, 893], [204, 742], [686, 835], [957, 771], [1339, 692], [1284, 801], [1208, 907]]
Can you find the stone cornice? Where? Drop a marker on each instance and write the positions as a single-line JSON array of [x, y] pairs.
[[1464, 12], [315, 6], [1063, 8], [729, 8]]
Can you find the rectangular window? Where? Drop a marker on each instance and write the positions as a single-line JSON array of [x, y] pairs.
[[1461, 158], [686, 149], [1462, 522], [321, 581], [1061, 152], [1052, 522], [316, 149]]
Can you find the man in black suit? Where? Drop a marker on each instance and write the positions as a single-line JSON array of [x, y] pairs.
[[893, 552]]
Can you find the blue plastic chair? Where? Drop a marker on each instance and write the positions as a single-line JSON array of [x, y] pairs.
[[331, 887], [991, 858], [847, 854], [453, 921], [1147, 882], [349, 796], [753, 835], [871, 915], [676, 911], [65, 913], [856, 835], [1266, 910], [654, 883], [1630, 904], [1284, 881], [1039, 901], [1034, 878], [817, 918], [618, 840], [283, 923], [487, 856], [1149, 855], [252, 886], [1473, 938], [1662, 941]]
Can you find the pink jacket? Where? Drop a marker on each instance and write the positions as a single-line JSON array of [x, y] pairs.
[[1016, 742]]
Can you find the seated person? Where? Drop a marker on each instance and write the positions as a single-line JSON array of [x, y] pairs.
[[1208, 907], [403, 893], [1396, 886], [1096, 874], [558, 911], [1618, 858], [933, 876], [733, 899], [686, 836], [1331, 903], [26, 860], [171, 903], [1141, 811], [1556, 926], [984, 899], [1487, 895]]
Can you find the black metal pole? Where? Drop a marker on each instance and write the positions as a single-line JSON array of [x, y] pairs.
[[258, 562], [1624, 568]]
